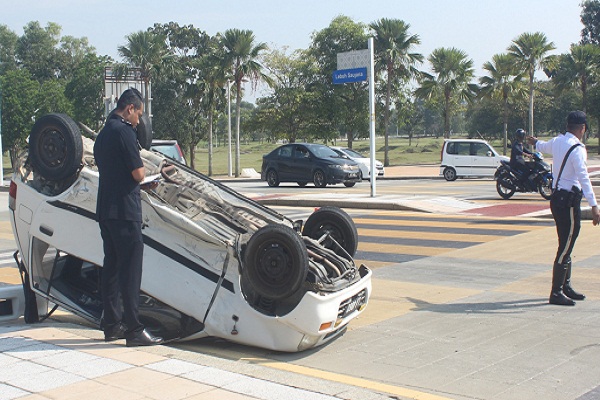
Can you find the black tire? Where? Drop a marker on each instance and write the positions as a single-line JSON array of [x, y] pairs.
[[275, 261], [545, 188], [144, 132], [349, 184], [338, 224], [272, 178], [504, 191], [301, 184], [319, 179], [449, 174], [56, 147]]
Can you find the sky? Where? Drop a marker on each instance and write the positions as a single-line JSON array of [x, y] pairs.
[[481, 28]]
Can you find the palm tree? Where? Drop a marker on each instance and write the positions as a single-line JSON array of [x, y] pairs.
[[578, 68], [504, 80], [451, 82], [393, 46], [147, 51], [530, 51], [241, 55]]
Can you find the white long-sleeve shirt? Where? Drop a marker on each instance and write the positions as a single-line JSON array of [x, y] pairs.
[[575, 172]]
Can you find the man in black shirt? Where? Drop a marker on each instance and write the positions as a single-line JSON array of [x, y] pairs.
[[517, 156], [119, 212]]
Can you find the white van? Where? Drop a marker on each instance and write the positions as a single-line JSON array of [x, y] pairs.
[[468, 158]]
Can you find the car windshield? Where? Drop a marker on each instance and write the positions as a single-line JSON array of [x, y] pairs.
[[323, 151], [167, 150], [353, 153]]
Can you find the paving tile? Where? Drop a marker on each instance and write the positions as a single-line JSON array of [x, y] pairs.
[[134, 379], [5, 360], [22, 368], [47, 334], [44, 381], [137, 357], [219, 394], [174, 367], [97, 367], [213, 376], [174, 389], [36, 350], [77, 390], [15, 342], [34, 397], [65, 358], [8, 392], [108, 392]]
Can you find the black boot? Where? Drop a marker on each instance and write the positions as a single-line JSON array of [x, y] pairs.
[[567, 289], [559, 272]]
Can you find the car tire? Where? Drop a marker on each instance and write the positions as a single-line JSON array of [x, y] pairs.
[[319, 179], [338, 224], [272, 178], [275, 261], [144, 132], [449, 174], [349, 184], [55, 147]]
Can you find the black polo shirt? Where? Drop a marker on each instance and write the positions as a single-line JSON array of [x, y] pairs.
[[117, 155]]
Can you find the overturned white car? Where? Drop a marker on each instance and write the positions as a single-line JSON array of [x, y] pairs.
[[215, 262]]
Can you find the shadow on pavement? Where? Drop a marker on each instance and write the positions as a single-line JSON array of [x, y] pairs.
[[504, 307]]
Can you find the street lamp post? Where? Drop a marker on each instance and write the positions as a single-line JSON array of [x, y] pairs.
[[229, 83]]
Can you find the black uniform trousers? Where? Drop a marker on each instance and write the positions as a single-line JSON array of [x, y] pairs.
[[568, 225], [122, 273]]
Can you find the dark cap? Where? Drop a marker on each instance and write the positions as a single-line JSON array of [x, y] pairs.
[[576, 118]]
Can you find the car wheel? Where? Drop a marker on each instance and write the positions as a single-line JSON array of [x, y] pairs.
[[319, 179], [272, 178], [545, 188], [450, 174], [56, 147], [302, 184], [503, 187], [275, 261], [349, 184], [144, 132], [335, 222]]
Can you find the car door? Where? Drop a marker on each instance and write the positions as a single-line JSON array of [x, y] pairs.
[[302, 163], [484, 160], [458, 156], [285, 167]]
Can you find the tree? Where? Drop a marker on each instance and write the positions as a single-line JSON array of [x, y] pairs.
[[37, 50], [590, 18], [530, 51], [579, 68], [451, 81], [339, 108], [395, 60], [8, 49], [18, 101], [148, 51], [504, 80], [241, 56]]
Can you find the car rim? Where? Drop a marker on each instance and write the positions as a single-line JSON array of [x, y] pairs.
[[54, 148]]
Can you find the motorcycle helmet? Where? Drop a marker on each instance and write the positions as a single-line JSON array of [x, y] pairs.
[[520, 134]]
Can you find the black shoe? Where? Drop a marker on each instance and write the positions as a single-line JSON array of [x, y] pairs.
[[560, 299], [570, 293], [144, 338], [115, 332]]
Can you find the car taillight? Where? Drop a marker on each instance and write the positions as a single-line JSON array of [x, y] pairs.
[[12, 195], [442, 152]]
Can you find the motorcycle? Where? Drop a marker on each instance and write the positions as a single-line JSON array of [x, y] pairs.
[[509, 180]]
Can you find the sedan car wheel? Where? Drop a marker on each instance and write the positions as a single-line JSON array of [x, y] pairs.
[[449, 174], [338, 224], [56, 147], [319, 179], [272, 178], [276, 261]]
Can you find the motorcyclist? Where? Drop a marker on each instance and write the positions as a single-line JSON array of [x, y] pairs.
[[517, 157]]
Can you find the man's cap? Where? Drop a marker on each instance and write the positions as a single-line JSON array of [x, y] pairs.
[[576, 118]]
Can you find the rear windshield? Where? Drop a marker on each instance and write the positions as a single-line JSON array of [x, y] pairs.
[[168, 150]]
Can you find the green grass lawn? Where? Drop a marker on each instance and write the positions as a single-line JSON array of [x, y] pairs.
[[421, 151]]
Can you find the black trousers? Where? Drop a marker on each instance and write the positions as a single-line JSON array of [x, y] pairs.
[[568, 225], [122, 273]]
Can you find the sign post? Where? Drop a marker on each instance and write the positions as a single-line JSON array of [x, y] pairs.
[[356, 66]]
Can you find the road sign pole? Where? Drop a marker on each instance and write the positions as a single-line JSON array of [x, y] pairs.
[[372, 117]]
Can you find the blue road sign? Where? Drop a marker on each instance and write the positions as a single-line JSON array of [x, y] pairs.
[[349, 75]]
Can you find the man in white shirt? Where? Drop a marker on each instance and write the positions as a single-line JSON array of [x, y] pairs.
[[571, 182]]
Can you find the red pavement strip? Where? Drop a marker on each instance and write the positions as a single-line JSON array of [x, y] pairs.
[[508, 210]]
